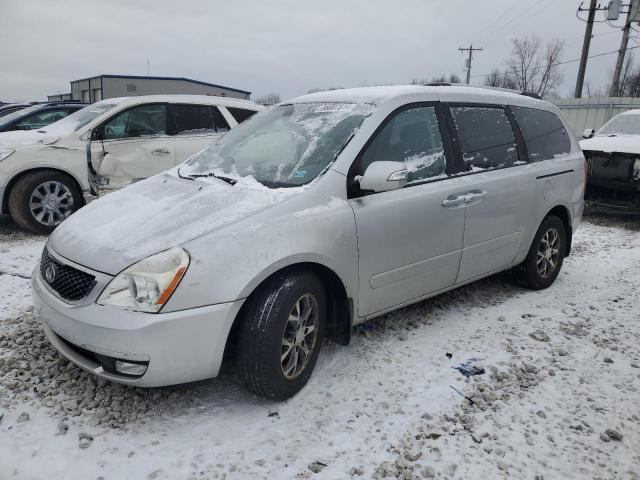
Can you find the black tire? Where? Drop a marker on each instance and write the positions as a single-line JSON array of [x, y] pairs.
[[527, 274], [20, 195], [262, 330]]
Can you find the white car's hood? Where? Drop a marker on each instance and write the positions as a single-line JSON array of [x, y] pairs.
[[621, 143], [21, 138], [153, 215]]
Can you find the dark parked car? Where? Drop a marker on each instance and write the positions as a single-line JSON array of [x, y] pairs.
[[37, 116], [7, 108]]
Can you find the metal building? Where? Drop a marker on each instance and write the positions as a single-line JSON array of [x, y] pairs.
[[582, 113], [94, 89], [59, 97]]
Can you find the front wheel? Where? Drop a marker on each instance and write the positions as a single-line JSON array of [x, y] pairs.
[[544, 260], [41, 200], [281, 335]]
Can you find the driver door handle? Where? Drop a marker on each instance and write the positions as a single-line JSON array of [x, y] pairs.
[[454, 200], [160, 151]]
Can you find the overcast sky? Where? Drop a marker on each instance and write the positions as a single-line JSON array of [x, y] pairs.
[[284, 46]]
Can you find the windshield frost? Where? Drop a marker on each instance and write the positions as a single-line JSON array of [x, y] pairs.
[[78, 119], [283, 146], [626, 124]]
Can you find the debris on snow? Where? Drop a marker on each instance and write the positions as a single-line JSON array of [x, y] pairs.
[[540, 336], [470, 367], [317, 467]]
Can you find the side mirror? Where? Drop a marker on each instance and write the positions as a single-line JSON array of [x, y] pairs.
[[97, 134], [588, 133], [383, 176]]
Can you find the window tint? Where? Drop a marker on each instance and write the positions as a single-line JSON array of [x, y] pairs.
[[42, 118], [240, 114], [137, 122], [413, 138], [192, 119], [486, 137], [543, 132], [219, 121]]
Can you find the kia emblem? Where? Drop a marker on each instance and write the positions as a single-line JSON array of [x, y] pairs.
[[50, 273]]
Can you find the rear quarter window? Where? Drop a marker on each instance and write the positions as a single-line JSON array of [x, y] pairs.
[[544, 133], [486, 137], [241, 114]]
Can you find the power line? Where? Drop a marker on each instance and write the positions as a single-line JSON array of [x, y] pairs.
[[527, 18], [563, 63], [497, 20]]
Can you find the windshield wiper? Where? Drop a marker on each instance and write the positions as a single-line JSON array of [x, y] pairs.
[[230, 181]]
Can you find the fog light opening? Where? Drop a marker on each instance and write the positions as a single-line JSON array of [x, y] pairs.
[[129, 368]]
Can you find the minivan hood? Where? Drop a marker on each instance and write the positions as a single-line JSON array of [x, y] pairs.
[[21, 138], [621, 144], [155, 214]]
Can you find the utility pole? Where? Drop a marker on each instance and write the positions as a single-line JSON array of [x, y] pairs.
[[631, 14], [585, 48], [470, 49]]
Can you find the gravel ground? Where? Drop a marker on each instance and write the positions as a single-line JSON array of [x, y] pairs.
[[559, 397]]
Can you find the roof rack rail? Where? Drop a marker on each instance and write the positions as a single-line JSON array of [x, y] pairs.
[[484, 87], [532, 95]]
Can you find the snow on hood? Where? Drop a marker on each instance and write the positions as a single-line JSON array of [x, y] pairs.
[[155, 214], [20, 138], [620, 143]]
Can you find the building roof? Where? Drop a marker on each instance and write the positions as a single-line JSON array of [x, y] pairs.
[[144, 77]]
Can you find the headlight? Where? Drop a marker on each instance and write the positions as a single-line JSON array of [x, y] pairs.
[[147, 285], [5, 153]]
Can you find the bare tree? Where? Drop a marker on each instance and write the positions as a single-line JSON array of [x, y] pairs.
[[268, 99], [535, 69], [500, 79], [451, 78], [316, 90]]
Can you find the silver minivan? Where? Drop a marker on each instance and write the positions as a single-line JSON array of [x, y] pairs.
[[316, 214]]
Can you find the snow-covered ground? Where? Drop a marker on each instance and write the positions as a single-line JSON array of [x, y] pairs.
[[562, 368]]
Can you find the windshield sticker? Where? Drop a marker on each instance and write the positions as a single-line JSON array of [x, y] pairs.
[[300, 174], [335, 107]]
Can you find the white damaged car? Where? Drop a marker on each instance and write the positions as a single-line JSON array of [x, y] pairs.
[[47, 174]]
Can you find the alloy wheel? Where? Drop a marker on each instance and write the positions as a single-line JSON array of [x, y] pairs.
[[51, 202], [299, 336], [548, 253]]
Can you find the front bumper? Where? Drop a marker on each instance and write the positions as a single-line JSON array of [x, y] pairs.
[[179, 347]]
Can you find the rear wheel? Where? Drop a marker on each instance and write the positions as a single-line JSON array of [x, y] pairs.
[[40, 201], [544, 260], [281, 335]]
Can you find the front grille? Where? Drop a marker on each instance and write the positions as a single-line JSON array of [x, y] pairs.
[[70, 283]]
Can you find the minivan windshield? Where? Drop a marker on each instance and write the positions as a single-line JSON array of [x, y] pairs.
[[623, 124], [284, 146], [78, 119]]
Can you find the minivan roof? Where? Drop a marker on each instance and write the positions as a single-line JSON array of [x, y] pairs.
[[451, 93]]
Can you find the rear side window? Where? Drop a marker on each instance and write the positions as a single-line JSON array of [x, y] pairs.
[[543, 132], [192, 119], [218, 120], [411, 137], [241, 114], [486, 137]]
